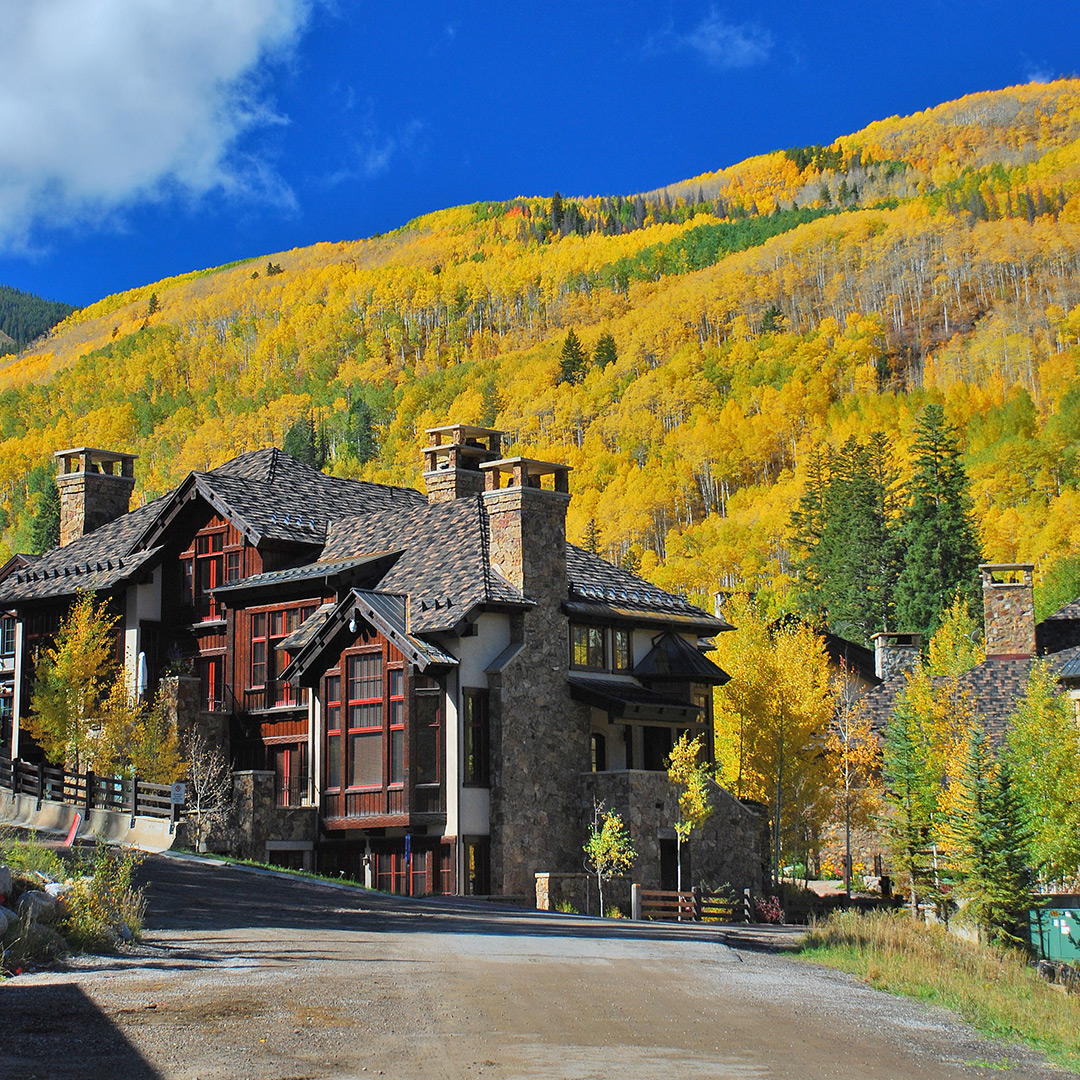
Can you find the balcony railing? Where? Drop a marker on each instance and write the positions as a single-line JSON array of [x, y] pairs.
[[292, 791], [275, 695]]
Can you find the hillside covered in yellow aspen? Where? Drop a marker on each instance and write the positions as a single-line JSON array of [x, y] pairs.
[[757, 312]]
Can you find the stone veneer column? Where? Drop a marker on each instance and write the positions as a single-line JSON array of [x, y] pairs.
[[1008, 608], [95, 488], [539, 734]]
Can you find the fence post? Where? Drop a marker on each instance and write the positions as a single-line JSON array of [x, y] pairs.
[[747, 906], [134, 799], [635, 902], [15, 768], [695, 892], [90, 781]]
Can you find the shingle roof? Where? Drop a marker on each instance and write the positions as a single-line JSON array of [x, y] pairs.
[[597, 586], [995, 686], [271, 495], [308, 629], [99, 560], [445, 564]]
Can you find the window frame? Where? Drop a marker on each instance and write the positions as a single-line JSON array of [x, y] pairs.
[[476, 723], [353, 705]]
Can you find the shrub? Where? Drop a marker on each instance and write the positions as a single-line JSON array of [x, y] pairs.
[[564, 907], [103, 909], [767, 909]]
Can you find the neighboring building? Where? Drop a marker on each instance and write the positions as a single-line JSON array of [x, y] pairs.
[[1012, 641], [429, 692]]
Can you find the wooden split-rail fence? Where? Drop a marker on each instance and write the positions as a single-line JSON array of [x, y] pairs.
[[87, 791], [690, 905]]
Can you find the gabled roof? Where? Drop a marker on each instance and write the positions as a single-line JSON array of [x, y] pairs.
[[598, 589], [672, 657], [387, 613], [269, 495]]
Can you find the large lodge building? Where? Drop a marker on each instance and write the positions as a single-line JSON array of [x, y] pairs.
[[429, 693]]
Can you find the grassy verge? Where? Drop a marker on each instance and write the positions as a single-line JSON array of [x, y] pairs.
[[993, 989], [97, 907], [231, 860]]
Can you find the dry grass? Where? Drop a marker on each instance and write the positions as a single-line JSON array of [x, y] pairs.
[[993, 989]]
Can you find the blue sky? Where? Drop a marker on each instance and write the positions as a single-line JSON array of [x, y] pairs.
[[143, 138]]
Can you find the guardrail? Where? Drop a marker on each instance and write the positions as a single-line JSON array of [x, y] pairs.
[[88, 791]]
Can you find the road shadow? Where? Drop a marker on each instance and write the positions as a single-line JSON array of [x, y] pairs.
[[201, 895], [57, 1032]]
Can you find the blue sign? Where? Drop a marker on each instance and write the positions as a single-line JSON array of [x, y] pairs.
[[408, 848]]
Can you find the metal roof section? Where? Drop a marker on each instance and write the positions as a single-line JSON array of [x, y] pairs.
[[307, 630], [387, 613], [671, 657], [626, 700]]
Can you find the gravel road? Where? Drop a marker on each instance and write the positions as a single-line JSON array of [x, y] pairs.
[[257, 975]]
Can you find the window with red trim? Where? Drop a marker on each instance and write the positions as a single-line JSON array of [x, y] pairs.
[[365, 713], [397, 725], [334, 755]]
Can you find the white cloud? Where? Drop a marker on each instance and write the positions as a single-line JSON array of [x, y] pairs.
[[371, 151], [104, 103], [723, 44]]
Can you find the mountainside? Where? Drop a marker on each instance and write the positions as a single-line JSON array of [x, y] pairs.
[[24, 317], [793, 299]]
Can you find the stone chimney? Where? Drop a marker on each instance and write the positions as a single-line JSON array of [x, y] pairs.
[[895, 653], [1008, 609], [95, 488], [452, 461], [528, 525]]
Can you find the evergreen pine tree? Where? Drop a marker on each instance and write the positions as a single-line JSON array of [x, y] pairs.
[[571, 360], [45, 527], [606, 352], [846, 530], [592, 537], [911, 788], [940, 545], [300, 442], [985, 840]]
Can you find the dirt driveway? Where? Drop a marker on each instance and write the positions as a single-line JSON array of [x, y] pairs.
[[256, 975]]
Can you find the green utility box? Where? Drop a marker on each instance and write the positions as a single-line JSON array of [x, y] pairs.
[[1055, 929]]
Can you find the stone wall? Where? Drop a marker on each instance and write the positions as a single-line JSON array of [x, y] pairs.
[[89, 500], [726, 850], [1008, 610], [257, 818], [540, 736]]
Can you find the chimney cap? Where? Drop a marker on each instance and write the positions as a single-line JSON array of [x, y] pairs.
[[896, 638], [463, 429], [990, 568]]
